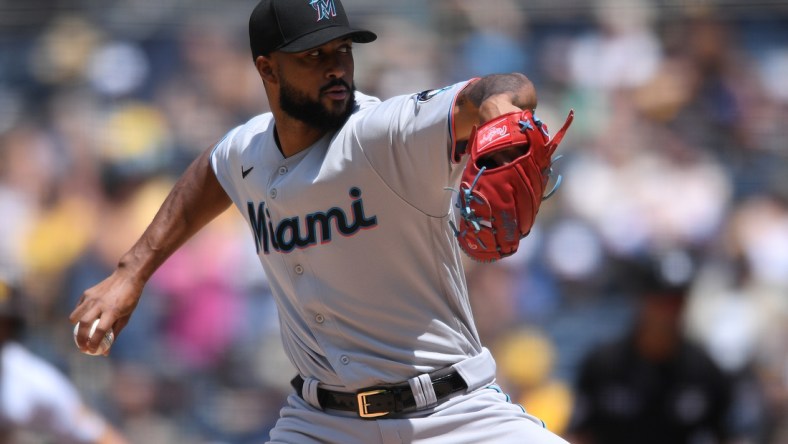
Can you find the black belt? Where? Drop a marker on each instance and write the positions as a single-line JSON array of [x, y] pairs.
[[381, 401]]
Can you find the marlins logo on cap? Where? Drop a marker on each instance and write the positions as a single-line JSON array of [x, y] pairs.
[[290, 26], [324, 8]]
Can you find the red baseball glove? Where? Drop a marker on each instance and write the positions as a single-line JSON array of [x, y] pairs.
[[504, 183]]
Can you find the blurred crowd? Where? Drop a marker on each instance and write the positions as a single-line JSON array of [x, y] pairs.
[[678, 157]]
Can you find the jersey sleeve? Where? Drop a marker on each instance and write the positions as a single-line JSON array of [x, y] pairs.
[[409, 141], [224, 158]]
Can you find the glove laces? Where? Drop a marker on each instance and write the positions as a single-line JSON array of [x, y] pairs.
[[464, 198]]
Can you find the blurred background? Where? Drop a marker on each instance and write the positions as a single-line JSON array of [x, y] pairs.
[[678, 159]]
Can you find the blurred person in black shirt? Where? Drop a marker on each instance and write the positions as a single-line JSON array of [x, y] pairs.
[[653, 385]]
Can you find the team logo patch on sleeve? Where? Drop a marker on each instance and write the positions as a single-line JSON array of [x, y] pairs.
[[430, 93]]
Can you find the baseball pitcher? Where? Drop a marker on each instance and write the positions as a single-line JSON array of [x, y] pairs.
[[360, 211]]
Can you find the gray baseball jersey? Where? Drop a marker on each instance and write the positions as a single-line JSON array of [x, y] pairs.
[[354, 237]]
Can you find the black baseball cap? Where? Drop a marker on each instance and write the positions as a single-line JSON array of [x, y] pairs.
[[298, 25]]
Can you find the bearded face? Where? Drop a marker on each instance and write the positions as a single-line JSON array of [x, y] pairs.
[[316, 112]]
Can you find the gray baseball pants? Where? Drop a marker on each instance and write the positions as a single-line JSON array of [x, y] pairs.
[[484, 415]]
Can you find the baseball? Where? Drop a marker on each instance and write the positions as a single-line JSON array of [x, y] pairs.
[[105, 344]]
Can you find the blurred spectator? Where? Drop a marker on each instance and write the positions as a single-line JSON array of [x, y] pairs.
[[403, 58], [622, 53], [738, 311], [202, 305], [493, 43], [36, 400], [652, 385], [495, 305], [525, 360]]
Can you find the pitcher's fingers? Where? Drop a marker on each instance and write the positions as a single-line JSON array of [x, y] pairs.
[[98, 329], [78, 312], [85, 323]]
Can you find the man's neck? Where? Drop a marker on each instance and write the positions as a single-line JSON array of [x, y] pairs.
[[293, 136]]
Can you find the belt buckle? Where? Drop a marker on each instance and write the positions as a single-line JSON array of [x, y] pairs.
[[361, 397]]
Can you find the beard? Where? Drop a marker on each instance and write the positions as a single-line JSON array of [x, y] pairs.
[[312, 112]]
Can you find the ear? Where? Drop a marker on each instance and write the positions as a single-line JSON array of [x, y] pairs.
[[265, 67]]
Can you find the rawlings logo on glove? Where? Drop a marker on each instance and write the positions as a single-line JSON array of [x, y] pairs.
[[491, 134], [504, 183]]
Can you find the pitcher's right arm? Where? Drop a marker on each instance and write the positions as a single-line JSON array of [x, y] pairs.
[[196, 199]]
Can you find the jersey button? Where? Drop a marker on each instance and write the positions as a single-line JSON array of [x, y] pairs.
[[282, 170], [344, 360], [319, 318], [299, 269], [273, 193]]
